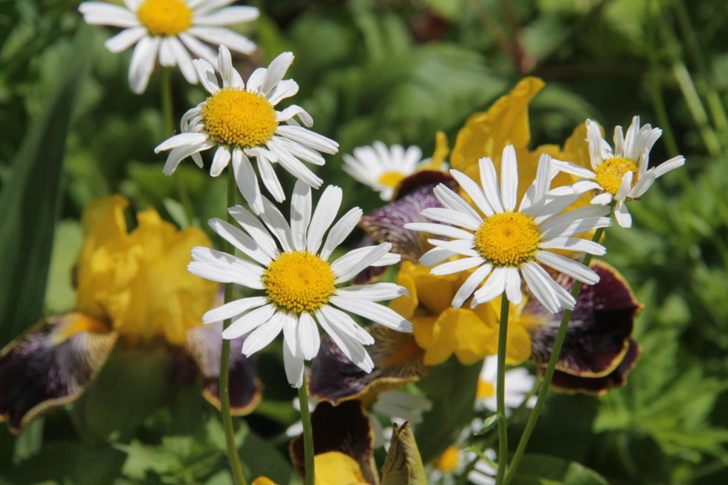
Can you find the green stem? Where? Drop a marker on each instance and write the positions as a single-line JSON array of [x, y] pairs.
[[307, 433], [227, 419], [501, 391], [167, 113], [549, 374]]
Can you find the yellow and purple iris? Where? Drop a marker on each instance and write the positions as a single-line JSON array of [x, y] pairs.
[[133, 293]]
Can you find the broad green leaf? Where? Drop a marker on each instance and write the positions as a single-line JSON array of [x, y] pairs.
[[29, 202], [543, 469]]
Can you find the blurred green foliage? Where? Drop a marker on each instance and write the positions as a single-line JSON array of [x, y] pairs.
[[398, 71]]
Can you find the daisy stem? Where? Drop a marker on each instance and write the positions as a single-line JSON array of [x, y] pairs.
[[549, 374], [227, 418], [307, 432], [501, 391]]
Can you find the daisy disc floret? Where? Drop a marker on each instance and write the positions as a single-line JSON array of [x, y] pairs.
[[290, 266], [170, 30], [622, 174], [502, 245], [241, 122], [382, 168]]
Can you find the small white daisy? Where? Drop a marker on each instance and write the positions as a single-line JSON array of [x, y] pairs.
[[383, 168], [519, 382], [504, 244], [300, 286], [241, 121], [622, 174], [171, 29]]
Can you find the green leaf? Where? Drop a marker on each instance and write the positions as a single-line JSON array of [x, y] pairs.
[[451, 387], [262, 459], [543, 469], [29, 202], [488, 424]]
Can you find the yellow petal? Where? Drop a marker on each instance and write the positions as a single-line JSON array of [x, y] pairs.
[[263, 481], [403, 305], [335, 468], [473, 338], [505, 123]]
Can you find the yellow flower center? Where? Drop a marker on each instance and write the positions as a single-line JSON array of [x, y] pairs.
[[165, 17], [509, 239], [611, 171], [239, 118], [299, 281], [485, 389], [448, 461], [391, 179]]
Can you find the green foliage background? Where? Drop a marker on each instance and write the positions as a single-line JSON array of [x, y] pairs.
[[397, 71]]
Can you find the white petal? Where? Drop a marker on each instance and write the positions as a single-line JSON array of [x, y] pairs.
[[535, 277], [102, 13], [513, 286], [372, 311], [458, 246], [576, 221], [595, 140], [509, 178], [489, 182], [125, 39], [457, 266], [574, 244], [495, 285], [351, 348], [292, 111], [624, 187], [357, 260], [180, 153], [263, 335], [270, 179], [180, 140], [226, 37], [474, 191], [225, 268], [325, 213], [220, 161], [438, 230], [473, 281], [183, 60], [227, 16], [166, 57], [340, 231], [574, 169], [201, 7], [233, 309], [453, 201], [240, 240], [198, 48], [277, 224], [308, 138], [622, 215], [602, 199], [436, 256], [230, 77], [346, 324], [247, 181], [206, 74], [294, 367], [249, 322], [276, 70], [290, 334], [669, 165], [308, 336], [142, 63], [449, 216], [255, 228], [374, 292], [568, 266], [300, 214], [292, 165], [285, 89]]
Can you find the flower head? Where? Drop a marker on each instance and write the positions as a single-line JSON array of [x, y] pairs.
[[518, 384], [504, 244], [383, 168], [621, 174], [170, 29], [242, 122], [298, 282]]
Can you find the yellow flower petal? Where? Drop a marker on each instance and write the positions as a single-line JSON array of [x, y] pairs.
[[335, 468]]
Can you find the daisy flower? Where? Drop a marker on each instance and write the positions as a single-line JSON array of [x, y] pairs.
[[383, 168], [170, 29], [242, 122], [519, 382], [621, 174], [502, 245], [299, 284]]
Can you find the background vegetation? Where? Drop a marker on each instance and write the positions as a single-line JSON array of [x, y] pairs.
[[395, 70]]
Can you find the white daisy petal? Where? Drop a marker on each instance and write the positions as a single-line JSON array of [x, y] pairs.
[[509, 178], [180, 140], [206, 74], [458, 246], [372, 311], [449, 216], [574, 244], [290, 333], [535, 277], [292, 111], [225, 268], [233, 309], [249, 322], [357, 260], [102, 13], [125, 39], [573, 169], [374, 292], [277, 224], [471, 188], [240, 240], [309, 138], [340, 231], [308, 336], [227, 16], [300, 214], [220, 161], [438, 230], [351, 348], [142, 63], [669, 165], [625, 187], [436, 256], [457, 266], [166, 57], [256, 229], [181, 152], [284, 89], [183, 60], [622, 215], [347, 324], [276, 70], [263, 335], [230, 76], [198, 48], [602, 199], [324, 215], [568, 266], [226, 37], [495, 285], [246, 180], [576, 221], [513, 286], [270, 179], [473, 281], [294, 367], [489, 182]]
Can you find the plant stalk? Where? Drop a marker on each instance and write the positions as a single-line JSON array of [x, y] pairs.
[[307, 433], [501, 391], [549, 374]]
